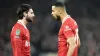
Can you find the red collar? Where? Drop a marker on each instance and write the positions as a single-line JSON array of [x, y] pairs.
[[20, 22], [68, 16]]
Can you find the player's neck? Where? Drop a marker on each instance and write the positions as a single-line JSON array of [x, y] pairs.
[[24, 21], [63, 16]]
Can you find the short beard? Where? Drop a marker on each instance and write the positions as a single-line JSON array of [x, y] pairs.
[[58, 18], [28, 19]]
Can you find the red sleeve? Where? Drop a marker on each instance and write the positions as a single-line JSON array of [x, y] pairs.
[[69, 30], [73, 25], [16, 42]]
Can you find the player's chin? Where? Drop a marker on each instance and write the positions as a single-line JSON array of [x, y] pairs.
[[54, 17], [31, 19]]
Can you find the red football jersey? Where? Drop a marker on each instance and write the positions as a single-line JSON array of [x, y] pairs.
[[68, 29], [20, 40]]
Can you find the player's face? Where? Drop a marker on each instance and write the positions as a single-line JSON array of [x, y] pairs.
[[30, 15], [55, 13]]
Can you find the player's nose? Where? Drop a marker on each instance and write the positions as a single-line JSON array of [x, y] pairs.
[[33, 15], [51, 13]]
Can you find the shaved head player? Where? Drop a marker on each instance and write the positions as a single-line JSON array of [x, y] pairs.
[[20, 36], [68, 39]]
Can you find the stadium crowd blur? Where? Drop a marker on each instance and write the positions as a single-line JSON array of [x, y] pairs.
[[44, 29]]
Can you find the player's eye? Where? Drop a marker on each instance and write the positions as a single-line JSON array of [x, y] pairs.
[[31, 12]]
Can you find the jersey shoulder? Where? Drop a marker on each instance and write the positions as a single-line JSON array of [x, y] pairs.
[[70, 23], [16, 28]]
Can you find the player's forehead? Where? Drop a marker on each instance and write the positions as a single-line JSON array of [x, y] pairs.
[[30, 10], [55, 8]]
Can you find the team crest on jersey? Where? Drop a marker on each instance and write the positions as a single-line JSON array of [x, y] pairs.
[[17, 32]]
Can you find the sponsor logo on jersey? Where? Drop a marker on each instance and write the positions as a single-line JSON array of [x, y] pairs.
[[67, 28], [27, 43]]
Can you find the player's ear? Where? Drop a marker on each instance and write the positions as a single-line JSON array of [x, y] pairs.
[[60, 11], [24, 14]]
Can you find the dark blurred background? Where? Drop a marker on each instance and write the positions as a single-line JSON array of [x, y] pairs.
[[44, 30]]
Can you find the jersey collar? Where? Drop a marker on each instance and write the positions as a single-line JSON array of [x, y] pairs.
[[68, 16], [20, 22]]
